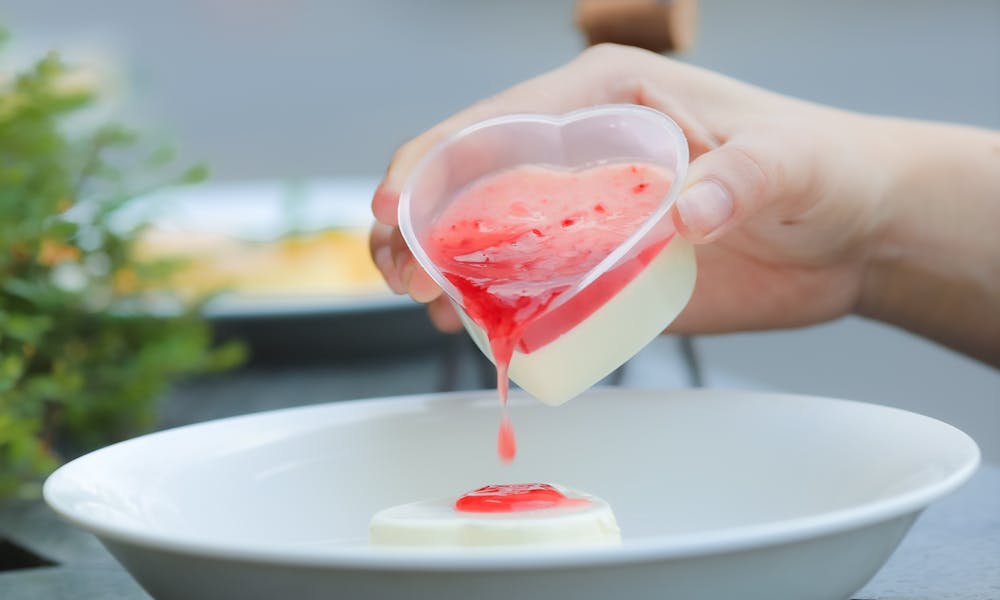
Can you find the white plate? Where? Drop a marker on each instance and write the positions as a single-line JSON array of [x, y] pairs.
[[720, 495]]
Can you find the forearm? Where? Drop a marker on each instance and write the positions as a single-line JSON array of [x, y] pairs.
[[935, 267]]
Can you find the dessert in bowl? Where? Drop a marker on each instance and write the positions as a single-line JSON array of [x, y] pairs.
[[717, 494], [520, 514]]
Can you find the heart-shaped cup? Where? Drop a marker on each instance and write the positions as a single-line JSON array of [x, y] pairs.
[[605, 313]]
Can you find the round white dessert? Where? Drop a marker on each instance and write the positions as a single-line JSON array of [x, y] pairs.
[[437, 524]]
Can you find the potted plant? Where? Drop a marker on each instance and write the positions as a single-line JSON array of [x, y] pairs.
[[83, 355]]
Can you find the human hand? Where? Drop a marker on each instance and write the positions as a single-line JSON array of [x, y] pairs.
[[780, 196]]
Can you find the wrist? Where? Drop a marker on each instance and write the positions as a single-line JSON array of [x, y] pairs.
[[894, 240], [934, 263]]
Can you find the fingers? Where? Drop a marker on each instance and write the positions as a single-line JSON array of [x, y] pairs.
[[419, 285], [384, 205], [413, 279], [404, 275], [381, 252], [703, 210], [732, 183], [443, 315], [699, 136], [400, 270]]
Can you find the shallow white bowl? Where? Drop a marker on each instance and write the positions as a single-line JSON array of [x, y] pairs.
[[720, 495]]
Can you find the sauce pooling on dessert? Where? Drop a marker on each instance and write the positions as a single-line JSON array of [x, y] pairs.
[[514, 497], [525, 514]]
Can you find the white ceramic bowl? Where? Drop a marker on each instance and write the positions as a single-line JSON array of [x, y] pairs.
[[720, 495]]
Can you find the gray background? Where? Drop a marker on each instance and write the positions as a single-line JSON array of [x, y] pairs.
[[312, 88]]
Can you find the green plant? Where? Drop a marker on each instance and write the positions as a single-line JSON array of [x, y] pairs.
[[82, 358]]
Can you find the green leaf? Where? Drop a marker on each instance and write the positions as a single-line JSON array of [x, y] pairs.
[[114, 134], [26, 328], [11, 369], [161, 156], [195, 174], [61, 230]]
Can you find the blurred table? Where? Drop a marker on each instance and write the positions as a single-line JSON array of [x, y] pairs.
[[953, 552]]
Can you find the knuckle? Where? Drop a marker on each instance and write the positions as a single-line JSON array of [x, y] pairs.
[[618, 57], [597, 51], [603, 52], [402, 152]]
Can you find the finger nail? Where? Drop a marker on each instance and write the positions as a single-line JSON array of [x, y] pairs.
[[705, 207]]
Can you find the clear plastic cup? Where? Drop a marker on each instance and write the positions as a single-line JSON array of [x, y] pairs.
[[575, 141]]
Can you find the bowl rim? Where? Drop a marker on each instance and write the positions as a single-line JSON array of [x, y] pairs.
[[520, 558]]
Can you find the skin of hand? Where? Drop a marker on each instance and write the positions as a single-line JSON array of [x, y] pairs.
[[794, 206]]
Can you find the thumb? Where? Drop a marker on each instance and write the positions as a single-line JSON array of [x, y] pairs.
[[726, 186]]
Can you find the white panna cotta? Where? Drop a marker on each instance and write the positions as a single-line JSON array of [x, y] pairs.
[[499, 515]]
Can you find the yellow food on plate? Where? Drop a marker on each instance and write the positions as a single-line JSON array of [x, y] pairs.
[[333, 262]]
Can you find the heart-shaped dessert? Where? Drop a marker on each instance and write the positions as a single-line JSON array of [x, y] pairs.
[[549, 235]]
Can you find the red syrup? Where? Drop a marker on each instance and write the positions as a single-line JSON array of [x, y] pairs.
[[515, 497], [513, 242]]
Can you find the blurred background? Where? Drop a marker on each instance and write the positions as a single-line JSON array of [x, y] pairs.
[[298, 91]]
